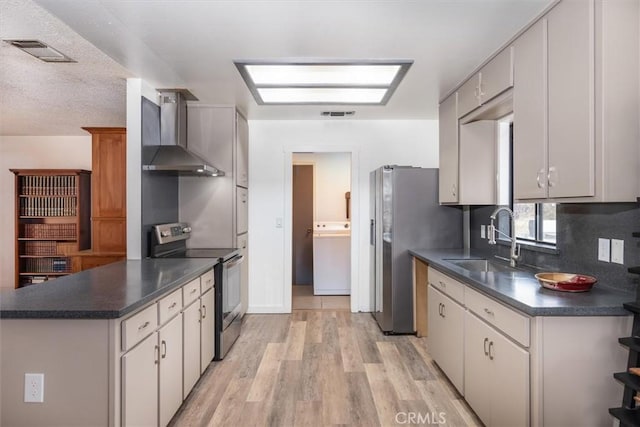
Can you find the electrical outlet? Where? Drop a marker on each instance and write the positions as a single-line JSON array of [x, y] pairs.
[[604, 250], [34, 388], [617, 251], [483, 231], [278, 222]]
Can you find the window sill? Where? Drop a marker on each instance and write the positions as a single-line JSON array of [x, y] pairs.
[[533, 247]]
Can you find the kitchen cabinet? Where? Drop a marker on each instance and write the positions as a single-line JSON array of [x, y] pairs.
[[191, 341], [242, 151], [576, 104], [496, 381], [140, 384], [448, 142], [243, 245], [242, 209], [493, 78], [170, 369], [207, 329], [477, 163], [445, 340]]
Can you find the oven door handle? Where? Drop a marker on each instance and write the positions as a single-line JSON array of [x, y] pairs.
[[234, 261]]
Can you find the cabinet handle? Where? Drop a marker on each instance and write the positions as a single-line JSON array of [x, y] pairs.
[[204, 311], [552, 176], [443, 313], [539, 179], [194, 290], [164, 349], [490, 352], [442, 284], [200, 319], [172, 306], [156, 354], [144, 325], [486, 352], [453, 190], [489, 312]]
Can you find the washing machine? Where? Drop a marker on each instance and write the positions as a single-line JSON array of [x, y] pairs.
[[332, 258]]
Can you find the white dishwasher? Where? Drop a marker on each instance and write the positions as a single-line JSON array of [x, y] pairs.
[[331, 258]]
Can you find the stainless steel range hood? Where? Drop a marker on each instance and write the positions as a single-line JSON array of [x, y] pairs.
[[172, 155]]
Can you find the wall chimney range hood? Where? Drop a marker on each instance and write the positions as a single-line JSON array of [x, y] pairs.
[[172, 155]]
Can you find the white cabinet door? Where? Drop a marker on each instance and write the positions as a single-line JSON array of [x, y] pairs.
[[191, 343], [468, 99], [448, 175], [529, 114], [477, 174], [446, 325], [170, 396], [510, 388], [497, 75], [477, 373], [242, 210], [242, 151], [571, 92], [207, 329], [140, 384]]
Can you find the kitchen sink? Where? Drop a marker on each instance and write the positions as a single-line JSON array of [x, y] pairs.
[[482, 265]]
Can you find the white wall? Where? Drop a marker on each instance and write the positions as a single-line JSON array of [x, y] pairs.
[[332, 179], [32, 152], [271, 144]]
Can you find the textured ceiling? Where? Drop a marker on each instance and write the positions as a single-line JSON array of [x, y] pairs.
[[39, 98], [192, 44]]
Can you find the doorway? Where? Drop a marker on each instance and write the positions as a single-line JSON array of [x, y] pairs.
[[321, 231]]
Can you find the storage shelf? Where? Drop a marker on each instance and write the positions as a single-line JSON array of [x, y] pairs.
[[44, 217], [44, 256], [633, 343], [626, 416], [628, 379], [49, 273], [48, 239], [46, 196]]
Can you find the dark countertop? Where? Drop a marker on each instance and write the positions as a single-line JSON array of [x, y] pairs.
[[106, 292], [521, 290]]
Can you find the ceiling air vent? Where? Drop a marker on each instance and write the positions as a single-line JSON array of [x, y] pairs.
[[337, 113], [40, 50]]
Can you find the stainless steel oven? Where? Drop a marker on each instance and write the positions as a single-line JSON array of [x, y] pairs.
[[169, 241]]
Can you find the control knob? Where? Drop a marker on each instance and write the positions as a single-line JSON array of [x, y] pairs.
[[165, 234], [186, 230]]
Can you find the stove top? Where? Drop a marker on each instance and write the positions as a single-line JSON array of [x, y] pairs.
[[220, 253]]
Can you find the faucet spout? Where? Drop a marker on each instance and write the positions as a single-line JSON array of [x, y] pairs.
[[514, 255]]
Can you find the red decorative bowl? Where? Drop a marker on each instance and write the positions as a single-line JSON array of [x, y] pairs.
[[566, 282]]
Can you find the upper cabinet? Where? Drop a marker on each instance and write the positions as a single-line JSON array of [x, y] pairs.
[[478, 158], [448, 135], [242, 157], [492, 79], [576, 104]]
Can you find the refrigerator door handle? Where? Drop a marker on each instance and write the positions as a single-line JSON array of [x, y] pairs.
[[372, 232]]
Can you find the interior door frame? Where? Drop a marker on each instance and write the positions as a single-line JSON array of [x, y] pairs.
[[288, 218], [313, 168]]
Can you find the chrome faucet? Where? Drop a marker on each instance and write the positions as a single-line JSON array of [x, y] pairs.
[[514, 255]]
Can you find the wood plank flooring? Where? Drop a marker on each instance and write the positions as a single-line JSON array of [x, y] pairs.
[[323, 368]]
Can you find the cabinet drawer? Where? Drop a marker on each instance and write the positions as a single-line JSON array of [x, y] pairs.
[[191, 291], [510, 322], [446, 285], [138, 326], [170, 305], [207, 281]]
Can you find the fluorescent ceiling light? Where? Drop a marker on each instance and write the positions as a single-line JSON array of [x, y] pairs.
[[323, 82], [321, 95], [40, 50]]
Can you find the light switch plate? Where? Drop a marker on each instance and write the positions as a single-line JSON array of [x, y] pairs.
[[604, 250], [483, 231], [617, 251]]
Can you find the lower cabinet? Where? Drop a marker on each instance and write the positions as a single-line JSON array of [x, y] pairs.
[[170, 369], [496, 375], [207, 329], [446, 335], [191, 341], [140, 384]]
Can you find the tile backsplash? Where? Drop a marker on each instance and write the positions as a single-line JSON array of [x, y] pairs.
[[579, 225]]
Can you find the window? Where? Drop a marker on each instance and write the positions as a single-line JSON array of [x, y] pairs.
[[534, 222]]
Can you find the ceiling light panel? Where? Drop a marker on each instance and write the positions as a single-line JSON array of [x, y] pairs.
[[321, 95], [323, 74], [323, 82]]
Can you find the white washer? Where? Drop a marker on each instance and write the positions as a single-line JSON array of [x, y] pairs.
[[332, 258]]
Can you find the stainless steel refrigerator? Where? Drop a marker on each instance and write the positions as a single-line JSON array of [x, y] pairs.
[[405, 214]]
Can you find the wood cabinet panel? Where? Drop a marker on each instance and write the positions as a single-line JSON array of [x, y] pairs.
[[109, 172], [109, 235]]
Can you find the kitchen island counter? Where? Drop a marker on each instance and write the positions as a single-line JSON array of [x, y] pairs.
[[108, 292], [520, 289]]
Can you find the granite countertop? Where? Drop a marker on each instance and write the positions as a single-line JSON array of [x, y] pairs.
[[520, 289], [106, 292]]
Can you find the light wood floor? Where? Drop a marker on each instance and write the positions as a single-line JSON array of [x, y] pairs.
[[304, 299], [317, 368]]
